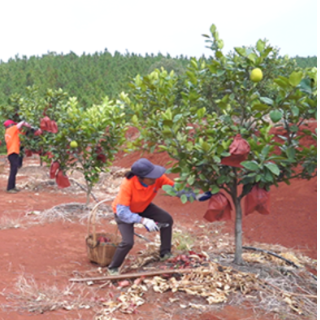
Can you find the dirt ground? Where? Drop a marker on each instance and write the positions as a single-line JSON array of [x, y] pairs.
[[37, 256]]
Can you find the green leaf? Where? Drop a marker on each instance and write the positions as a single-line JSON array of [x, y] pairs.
[[273, 168], [260, 45], [169, 190], [267, 101], [294, 128], [275, 115], [281, 83], [214, 189], [213, 29], [265, 151], [191, 180], [295, 78], [201, 112], [291, 152], [305, 86], [252, 57], [183, 198], [219, 55], [241, 51], [220, 43], [295, 111], [250, 165], [260, 107]]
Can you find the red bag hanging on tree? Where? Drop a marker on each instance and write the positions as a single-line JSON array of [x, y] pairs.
[[62, 180], [219, 208], [45, 123], [49, 154], [28, 152], [53, 169], [239, 150], [38, 132], [53, 127], [102, 157], [258, 199]]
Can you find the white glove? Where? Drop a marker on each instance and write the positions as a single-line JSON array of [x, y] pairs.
[[150, 225], [204, 196]]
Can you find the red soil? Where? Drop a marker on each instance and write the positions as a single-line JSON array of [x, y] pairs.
[[50, 253]]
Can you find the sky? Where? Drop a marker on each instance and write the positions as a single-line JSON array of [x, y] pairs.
[[36, 27]]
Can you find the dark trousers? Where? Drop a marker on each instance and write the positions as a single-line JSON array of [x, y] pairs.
[[14, 160], [21, 157], [126, 229]]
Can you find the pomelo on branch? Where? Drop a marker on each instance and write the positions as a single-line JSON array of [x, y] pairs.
[[74, 144], [256, 75]]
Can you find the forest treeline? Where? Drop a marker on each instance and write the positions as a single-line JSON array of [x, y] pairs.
[[89, 77]]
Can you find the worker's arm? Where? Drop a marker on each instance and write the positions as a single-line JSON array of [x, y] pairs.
[[126, 215], [188, 193], [23, 123]]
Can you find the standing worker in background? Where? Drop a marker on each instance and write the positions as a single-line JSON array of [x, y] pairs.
[[133, 205], [12, 139]]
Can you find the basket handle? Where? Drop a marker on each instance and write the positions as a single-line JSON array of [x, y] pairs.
[[92, 219]]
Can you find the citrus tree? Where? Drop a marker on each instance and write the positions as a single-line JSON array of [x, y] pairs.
[[173, 118], [88, 139], [32, 107]]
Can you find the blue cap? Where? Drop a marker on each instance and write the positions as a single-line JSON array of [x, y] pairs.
[[145, 169]]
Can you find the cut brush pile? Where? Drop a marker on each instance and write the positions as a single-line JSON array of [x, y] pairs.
[[287, 292]]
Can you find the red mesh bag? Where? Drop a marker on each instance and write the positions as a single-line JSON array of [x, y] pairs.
[[53, 127], [98, 150], [102, 157], [219, 208], [48, 125], [49, 154], [38, 132], [28, 152], [239, 150], [62, 180], [45, 123], [53, 169], [257, 199]]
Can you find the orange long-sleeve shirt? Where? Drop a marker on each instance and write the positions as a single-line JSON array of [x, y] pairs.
[[12, 140], [137, 197]]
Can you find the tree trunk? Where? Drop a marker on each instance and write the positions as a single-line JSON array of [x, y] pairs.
[[238, 223], [238, 233], [89, 188]]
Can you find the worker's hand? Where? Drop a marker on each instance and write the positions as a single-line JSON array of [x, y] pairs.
[[150, 225], [204, 196], [26, 124], [23, 123]]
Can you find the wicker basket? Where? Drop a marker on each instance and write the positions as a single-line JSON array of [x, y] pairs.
[[100, 252]]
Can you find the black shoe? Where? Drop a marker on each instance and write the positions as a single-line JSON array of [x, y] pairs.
[[166, 256]]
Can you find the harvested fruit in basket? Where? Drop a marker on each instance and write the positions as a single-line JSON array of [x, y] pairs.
[[103, 239]]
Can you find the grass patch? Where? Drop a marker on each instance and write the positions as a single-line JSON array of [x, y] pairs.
[[11, 223], [32, 297], [183, 241]]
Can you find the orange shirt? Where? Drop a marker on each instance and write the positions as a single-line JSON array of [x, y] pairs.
[[12, 140], [134, 195]]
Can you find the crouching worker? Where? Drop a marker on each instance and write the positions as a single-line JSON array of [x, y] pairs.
[[12, 132], [133, 204]]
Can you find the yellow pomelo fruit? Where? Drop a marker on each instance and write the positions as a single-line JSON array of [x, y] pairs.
[[256, 75], [73, 144]]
